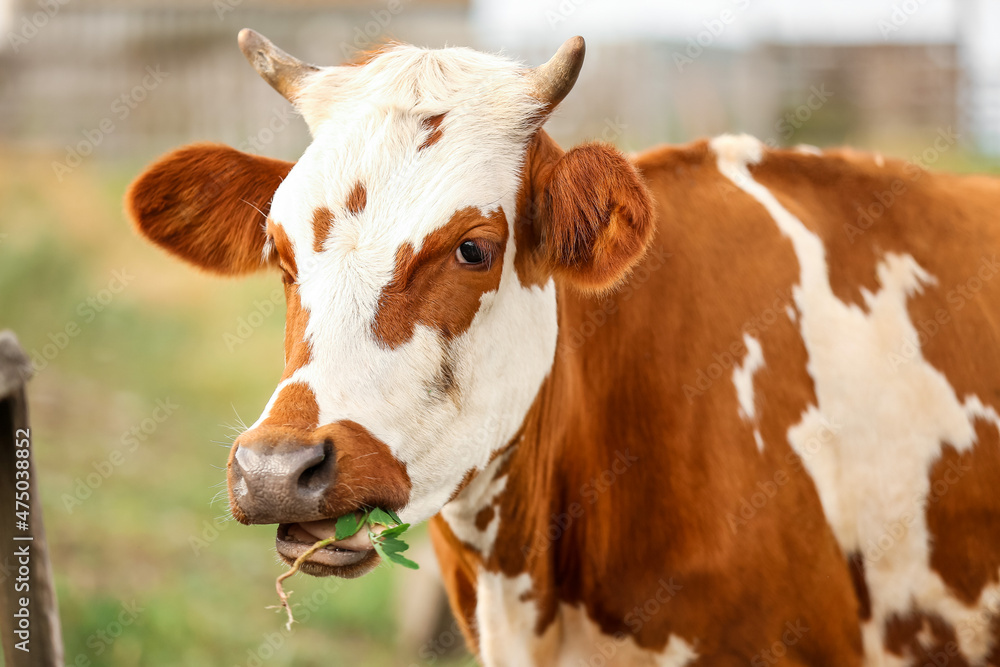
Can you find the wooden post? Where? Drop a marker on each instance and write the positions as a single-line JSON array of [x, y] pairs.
[[29, 616]]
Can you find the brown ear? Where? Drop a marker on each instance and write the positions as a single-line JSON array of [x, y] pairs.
[[207, 204], [596, 217]]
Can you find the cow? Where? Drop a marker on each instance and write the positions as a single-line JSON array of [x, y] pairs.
[[714, 404]]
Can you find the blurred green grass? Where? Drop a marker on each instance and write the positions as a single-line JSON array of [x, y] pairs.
[[144, 535]]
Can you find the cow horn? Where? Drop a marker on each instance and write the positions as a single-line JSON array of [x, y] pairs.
[[284, 72], [552, 81]]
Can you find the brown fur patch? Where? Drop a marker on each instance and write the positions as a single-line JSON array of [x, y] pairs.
[[283, 250], [962, 515], [484, 516], [298, 351], [444, 384], [432, 288], [612, 440], [433, 127], [856, 562], [322, 222], [367, 472], [295, 407], [458, 567], [903, 637], [357, 200], [206, 203]]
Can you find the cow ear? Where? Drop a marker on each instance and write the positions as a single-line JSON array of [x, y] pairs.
[[207, 204], [596, 217]]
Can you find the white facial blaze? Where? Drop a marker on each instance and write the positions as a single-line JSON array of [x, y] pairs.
[[878, 426], [368, 128]]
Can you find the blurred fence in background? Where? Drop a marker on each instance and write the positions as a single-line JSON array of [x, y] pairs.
[[80, 77], [121, 78]]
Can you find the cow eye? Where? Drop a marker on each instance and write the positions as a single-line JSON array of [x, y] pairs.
[[470, 253]]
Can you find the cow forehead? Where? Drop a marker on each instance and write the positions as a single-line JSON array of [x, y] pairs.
[[424, 133], [406, 191]]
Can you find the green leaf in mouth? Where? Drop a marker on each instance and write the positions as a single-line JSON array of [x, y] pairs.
[[391, 548], [387, 544], [383, 518], [347, 525]]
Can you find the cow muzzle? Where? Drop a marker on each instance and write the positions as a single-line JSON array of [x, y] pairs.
[[304, 480], [283, 482]]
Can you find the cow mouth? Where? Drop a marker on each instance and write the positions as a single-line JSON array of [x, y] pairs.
[[348, 558]]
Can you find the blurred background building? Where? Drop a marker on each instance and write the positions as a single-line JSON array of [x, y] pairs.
[[656, 71]]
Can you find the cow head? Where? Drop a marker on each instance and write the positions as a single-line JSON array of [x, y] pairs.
[[420, 239]]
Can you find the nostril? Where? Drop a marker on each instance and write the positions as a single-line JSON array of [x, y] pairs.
[[317, 476]]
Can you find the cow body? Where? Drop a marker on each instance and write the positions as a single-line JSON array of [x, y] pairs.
[[717, 405], [775, 425]]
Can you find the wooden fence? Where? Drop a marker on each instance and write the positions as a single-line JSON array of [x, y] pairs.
[[29, 617]]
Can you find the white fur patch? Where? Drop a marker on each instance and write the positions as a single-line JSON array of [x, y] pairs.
[[367, 124], [890, 421], [743, 377], [505, 619], [460, 513], [507, 615]]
